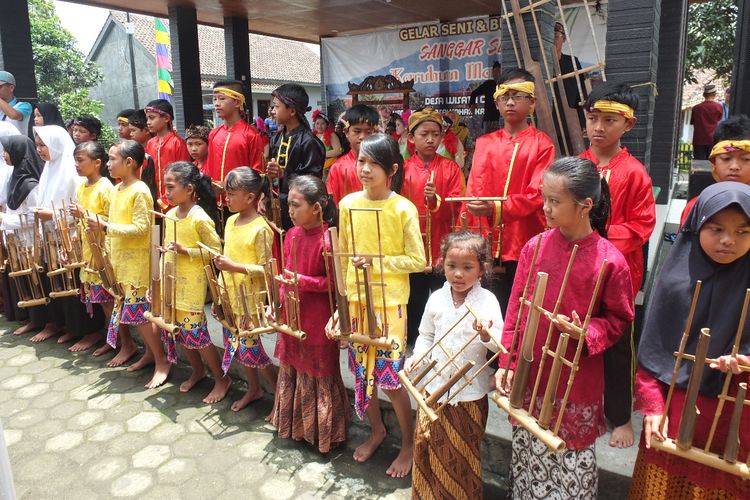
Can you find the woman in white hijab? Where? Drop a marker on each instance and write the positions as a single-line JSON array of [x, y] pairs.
[[57, 187]]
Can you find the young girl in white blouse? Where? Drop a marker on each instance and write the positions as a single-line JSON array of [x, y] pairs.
[[459, 429]]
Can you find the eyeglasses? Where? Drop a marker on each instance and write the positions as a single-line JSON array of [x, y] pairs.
[[513, 97]]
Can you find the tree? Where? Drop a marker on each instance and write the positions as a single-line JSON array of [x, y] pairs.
[[711, 32], [62, 75]]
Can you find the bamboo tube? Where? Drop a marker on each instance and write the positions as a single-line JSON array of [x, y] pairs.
[[428, 228], [64, 293], [689, 410], [551, 328], [170, 328], [699, 456], [342, 304], [424, 371], [553, 442], [382, 342], [451, 358], [678, 359], [372, 326], [545, 414], [417, 396], [285, 329], [733, 436], [435, 396], [436, 342], [523, 367]]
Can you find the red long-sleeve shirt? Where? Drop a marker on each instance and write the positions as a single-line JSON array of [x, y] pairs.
[[343, 178], [165, 151], [522, 216], [228, 149], [448, 181], [633, 214]]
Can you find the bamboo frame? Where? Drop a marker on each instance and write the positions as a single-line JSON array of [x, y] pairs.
[[430, 402], [62, 280], [376, 333], [285, 300], [71, 238], [682, 444], [541, 422], [100, 263], [24, 269], [163, 311]]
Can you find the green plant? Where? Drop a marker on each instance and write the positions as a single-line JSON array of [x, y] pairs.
[[711, 32]]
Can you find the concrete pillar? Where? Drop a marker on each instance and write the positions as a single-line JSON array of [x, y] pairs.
[[237, 46], [740, 98], [186, 73], [632, 58], [666, 130], [15, 47]]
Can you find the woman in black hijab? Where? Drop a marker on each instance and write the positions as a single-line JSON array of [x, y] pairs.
[[27, 167], [713, 247]]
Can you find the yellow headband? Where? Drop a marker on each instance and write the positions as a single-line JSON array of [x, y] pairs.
[[504, 88], [233, 94], [729, 146], [426, 115], [122, 119], [614, 107]]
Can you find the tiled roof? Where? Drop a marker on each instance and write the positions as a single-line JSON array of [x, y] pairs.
[[692, 93], [274, 59]]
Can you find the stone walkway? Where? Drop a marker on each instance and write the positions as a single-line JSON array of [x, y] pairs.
[[76, 429]]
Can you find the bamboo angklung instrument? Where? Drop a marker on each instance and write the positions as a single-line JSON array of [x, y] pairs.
[[163, 311], [24, 269], [542, 426], [726, 460], [222, 307], [374, 333], [339, 286], [427, 401], [61, 279], [70, 238], [461, 223], [100, 261], [285, 298]]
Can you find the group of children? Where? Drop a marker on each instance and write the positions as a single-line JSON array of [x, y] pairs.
[[600, 202]]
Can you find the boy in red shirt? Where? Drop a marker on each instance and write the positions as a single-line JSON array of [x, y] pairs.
[[166, 146], [360, 122], [509, 163], [610, 110], [196, 138]]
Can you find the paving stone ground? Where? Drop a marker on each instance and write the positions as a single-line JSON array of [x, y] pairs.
[[76, 429]]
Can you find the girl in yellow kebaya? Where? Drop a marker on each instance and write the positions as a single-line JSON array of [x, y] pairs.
[[380, 167], [248, 241], [129, 237], [191, 194], [93, 197]]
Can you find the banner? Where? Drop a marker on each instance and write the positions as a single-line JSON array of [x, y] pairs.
[[163, 61], [446, 61]]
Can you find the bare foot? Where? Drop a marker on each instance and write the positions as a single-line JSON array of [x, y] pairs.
[[24, 329], [46, 333], [122, 357], [146, 360], [102, 350], [161, 374], [367, 449], [86, 343], [195, 377], [622, 436], [219, 392], [247, 399], [65, 337]]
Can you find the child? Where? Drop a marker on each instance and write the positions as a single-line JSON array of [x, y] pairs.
[[139, 128], [129, 234], [93, 197], [123, 123], [165, 147], [610, 113], [712, 247], [47, 113], [191, 194], [330, 140], [294, 148], [22, 196], [86, 128], [360, 122], [509, 163], [247, 242], [57, 186], [460, 425], [425, 132], [379, 167], [196, 138], [576, 206], [311, 401], [450, 147], [730, 155], [401, 134]]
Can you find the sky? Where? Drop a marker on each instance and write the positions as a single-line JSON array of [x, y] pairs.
[[85, 22]]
